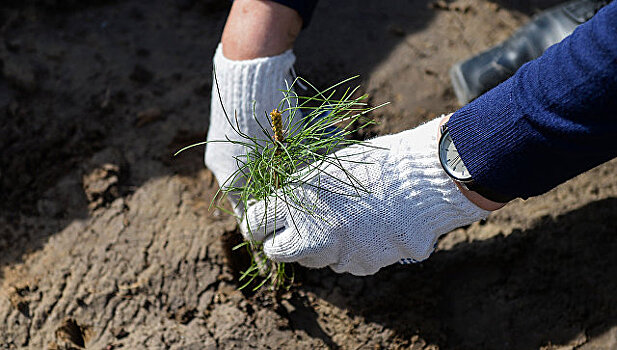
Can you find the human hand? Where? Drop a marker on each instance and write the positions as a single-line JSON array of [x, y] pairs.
[[401, 203], [247, 91]]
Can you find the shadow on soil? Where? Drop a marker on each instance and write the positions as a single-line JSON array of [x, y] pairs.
[[528, 7], [359, 36], [553, 281]]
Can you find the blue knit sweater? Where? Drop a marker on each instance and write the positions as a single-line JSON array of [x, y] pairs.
[[554, 119]]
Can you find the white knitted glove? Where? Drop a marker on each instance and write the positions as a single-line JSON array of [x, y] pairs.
[[246, 88], [411, 202]]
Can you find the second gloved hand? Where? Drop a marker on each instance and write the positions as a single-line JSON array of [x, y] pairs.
[[405, 202]]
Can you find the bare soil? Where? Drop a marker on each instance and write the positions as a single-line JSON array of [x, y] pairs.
[[106, 240]]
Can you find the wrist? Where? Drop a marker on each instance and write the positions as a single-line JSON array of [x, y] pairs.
[[474, 197]]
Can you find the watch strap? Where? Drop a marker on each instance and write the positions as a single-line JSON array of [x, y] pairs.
[[488, 193]]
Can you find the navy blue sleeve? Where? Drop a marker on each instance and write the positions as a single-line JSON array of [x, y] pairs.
[[304, 8], [554, 119]]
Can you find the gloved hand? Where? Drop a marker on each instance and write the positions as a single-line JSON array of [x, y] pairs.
[[246, 88], [410, 201]]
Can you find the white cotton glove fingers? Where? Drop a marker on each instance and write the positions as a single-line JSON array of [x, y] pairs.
[[289, 245], [359, 268], [316, 251], [263, 218], [284, 245]]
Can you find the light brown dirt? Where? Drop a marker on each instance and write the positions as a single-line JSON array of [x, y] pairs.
[[106, 239]]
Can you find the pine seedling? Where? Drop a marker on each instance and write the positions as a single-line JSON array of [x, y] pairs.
[[297, 138]]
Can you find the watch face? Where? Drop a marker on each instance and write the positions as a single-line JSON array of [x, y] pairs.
[[451, 160]]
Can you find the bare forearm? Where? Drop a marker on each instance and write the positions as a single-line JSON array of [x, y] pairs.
[[259, 28]]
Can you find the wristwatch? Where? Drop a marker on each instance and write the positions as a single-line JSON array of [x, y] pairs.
[[453, 165]]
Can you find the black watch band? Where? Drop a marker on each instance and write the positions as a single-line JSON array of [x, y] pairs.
[[487, 193]]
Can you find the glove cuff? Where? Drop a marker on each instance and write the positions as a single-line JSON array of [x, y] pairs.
[[248, 90], [250, 86]]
